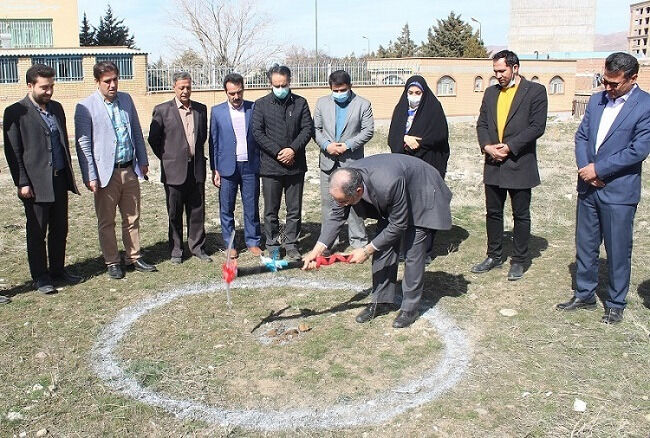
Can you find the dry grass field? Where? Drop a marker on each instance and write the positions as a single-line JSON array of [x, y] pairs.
[[525, 371]]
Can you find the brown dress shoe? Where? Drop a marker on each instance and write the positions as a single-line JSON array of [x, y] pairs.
[[255, 250]]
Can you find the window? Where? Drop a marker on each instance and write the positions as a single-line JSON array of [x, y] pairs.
[[478, 84], [534, 79], [446, 86], [28, 33], [493, 81], [392, 80], [68, 68], [8, 70], [124, 64], [556, 85]]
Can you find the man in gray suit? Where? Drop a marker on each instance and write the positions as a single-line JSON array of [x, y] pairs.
[[112, 156], [343, 124], [409, 198]]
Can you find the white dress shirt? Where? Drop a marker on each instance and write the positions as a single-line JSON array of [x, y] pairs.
[[611, 111], [238, 117]]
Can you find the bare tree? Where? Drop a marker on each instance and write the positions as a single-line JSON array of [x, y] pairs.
[[231, 33]]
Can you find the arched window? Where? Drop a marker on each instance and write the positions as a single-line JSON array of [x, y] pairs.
[[446, 86], [478, 84], [393, 80], [534, 79], [556, 86], [493, 81]]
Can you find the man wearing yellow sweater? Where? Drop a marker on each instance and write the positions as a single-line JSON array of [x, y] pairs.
[[512, 118]]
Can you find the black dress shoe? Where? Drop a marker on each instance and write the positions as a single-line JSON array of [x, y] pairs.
[[405, 318], [516, 271], [115, 271], [142, 266], [576, 304], [176, 260], [374, 310], [4, 300], [613, 315], [66, 277], [294, 255], [486, 265], [45, 286], [203, 257]]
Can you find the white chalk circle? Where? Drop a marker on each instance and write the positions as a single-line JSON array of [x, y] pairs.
[[387, 404]]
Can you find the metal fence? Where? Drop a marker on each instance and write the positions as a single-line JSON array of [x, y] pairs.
[[210, 77], [8, 70]]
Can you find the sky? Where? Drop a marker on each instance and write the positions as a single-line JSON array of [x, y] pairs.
[[342, 24]]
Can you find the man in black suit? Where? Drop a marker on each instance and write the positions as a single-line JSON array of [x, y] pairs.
[[512, 118], [409, 199], [177, 136], [38, 154]]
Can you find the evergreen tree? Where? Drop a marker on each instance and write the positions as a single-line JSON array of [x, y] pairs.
[[452, 37], [112, 32], [86, 33], [404, 46]]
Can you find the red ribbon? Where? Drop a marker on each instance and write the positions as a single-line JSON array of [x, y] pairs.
[[326, 261], [229, 271]]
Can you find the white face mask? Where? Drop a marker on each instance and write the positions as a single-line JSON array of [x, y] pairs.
[[414, 100]]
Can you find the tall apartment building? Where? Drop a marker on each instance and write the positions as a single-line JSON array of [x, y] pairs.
[[552, 26], [639, 25]]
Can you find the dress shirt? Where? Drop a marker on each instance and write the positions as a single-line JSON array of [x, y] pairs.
[[341, 115], [610, 112], [188, 125], [238, 117], [58, 157], [123, 146]]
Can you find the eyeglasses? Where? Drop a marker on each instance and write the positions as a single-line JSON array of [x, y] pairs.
[[614, 85]]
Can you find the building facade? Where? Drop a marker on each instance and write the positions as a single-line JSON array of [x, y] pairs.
[[639, 26]]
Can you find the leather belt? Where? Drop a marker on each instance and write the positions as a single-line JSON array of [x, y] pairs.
[[123, 165]]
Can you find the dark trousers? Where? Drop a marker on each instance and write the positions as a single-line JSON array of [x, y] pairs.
[[248, 183], [415, 242], [272, 188], [47, 219], [597, 221], [189, 198], [495, 198]]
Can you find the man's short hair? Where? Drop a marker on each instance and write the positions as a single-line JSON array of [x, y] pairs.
[[622, 62], [279, 69], [233, 78], [340, 77], [510, 56], [351, 183], [104, 67], [39, 70], [180, 76]]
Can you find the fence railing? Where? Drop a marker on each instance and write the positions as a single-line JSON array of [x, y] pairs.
[[210, 76]]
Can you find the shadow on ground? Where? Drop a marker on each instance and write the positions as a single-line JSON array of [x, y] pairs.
[[603, 279], [644, 293]]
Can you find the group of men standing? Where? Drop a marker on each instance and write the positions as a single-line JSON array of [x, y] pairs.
[[266, 140]]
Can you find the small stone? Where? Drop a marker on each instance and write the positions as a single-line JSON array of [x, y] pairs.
[[46, 394], [37, 387], [549, 393], [508, 312], [246, 321], [210, 368], [42, 432], [304, 327], [647, 418], [14, 416], [22, 434], [314, 181], [272, 333], [525, 394], [51, 388], [41, 355], [481, 411], [579, 405], [292, 332], [568, 196], [218, 346], [645, 397], [112, 289], [2, 280], [26, 323]]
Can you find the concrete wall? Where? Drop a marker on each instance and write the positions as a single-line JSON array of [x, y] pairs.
[[65, 28]]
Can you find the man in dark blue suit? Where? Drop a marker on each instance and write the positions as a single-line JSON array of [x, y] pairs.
[[612, 142], [235, 162]]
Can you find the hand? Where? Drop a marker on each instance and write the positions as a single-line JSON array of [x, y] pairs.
[[216, 179], [144, 169], [588, 173], [309, 259], [333, 149], [93, 185], [360, 255], [342, 148], [597, 183], [412, 142], [502, 151], [286, 156], [25, 192]]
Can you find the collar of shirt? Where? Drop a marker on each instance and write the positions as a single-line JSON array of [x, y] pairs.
[[180, 105], [240, 109], [513, 83], [621, 98], [38, 107]]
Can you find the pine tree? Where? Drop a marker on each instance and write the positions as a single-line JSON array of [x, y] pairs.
[[404, 46], [111, 31], [86, 33], [452, 37]]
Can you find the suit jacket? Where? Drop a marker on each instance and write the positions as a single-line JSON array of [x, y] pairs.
[[405, 191], [169, 143], [358, 130], [29, 150], [621, 154], [96, 140], [526, 122], [223, 142]]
